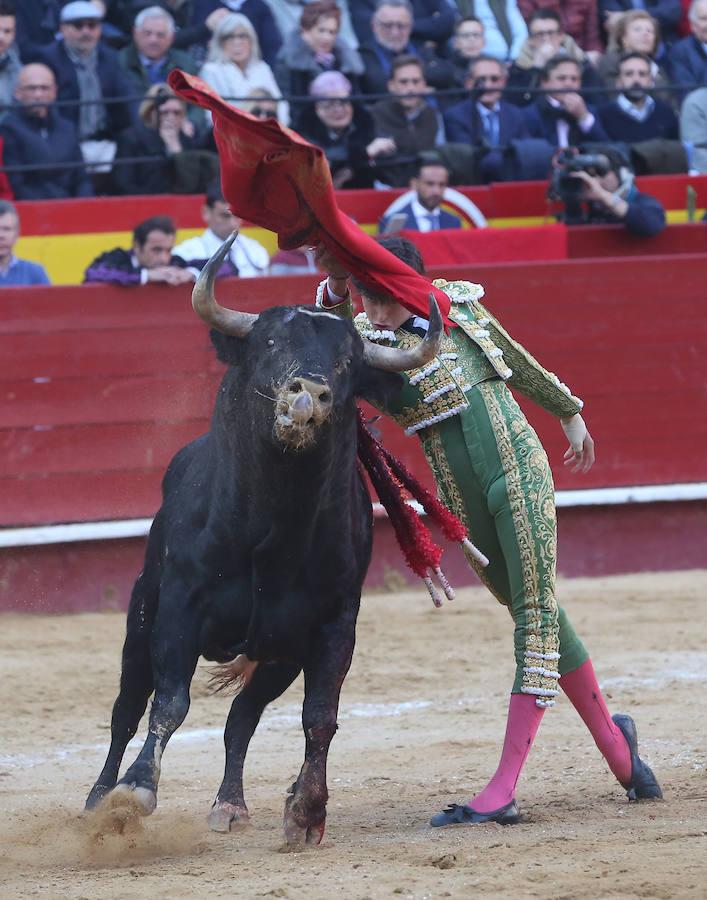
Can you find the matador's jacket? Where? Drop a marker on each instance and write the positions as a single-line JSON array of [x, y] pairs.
[[491, 469]]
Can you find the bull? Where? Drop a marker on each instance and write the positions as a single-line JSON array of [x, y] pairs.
[[259, 550]]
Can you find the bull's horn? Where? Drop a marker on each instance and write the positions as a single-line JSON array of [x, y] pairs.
[[393, 359], [203, 298]]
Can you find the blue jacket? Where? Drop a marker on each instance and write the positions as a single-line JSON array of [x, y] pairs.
[[462, 123], [29, 139], [541, 122], [114, 83], [23, 272], [645, 216], [687, 64], [446, 220], [37, 23]]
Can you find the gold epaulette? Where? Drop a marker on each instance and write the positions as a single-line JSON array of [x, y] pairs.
[[469, 315]]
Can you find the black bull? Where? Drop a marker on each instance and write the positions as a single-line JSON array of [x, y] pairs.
[[259, 550]]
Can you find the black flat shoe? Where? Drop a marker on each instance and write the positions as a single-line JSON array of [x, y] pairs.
[[455, 814], [643, 784]]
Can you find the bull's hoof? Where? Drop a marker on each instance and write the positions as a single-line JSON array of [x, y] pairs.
[[224, 817], [298, 837], [98, 792], [143, 800]]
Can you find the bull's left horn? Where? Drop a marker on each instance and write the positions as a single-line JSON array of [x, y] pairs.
[[393, 359], [203, 298]]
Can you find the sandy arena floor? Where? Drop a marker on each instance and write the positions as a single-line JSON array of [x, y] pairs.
[[421, 723]]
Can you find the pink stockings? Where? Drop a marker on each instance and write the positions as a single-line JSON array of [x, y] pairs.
[[521, 727], [585, 695], [523, 722]]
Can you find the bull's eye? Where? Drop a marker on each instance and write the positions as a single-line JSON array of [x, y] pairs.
[[271, 342], [342, 364]]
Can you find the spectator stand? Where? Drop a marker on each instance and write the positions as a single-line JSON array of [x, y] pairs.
[[65, 235]]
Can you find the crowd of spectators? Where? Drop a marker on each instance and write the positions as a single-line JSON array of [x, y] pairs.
[[85, 108], [373, 82]]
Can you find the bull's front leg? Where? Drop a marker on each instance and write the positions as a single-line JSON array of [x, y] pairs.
[[324, 672]]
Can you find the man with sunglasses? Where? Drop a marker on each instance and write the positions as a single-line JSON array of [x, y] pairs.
[[485, 120], [89, 73]]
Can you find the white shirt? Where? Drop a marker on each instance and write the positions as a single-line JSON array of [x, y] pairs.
[[229, 80], [422, 216], [250, 258]]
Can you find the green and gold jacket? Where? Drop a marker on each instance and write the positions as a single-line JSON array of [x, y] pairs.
[[477, 350]]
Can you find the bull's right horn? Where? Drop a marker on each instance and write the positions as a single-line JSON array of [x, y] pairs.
[[203, 298], [394, 359]]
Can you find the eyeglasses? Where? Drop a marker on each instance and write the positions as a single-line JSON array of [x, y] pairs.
[[85, 24], [394, 26], [550, 32], [333, 103], [237, 36]]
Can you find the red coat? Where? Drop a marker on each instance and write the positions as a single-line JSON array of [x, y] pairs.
[[580, 18], [5, 189]]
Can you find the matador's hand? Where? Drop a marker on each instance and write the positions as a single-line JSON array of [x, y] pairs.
[[580, 453]]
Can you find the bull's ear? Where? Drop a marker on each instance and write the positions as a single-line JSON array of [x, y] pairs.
[[379, 388], [228, 349]]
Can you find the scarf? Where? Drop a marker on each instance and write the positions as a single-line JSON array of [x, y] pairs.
[[92, 114]]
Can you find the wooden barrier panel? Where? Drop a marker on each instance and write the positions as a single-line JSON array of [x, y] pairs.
[[99, 386]]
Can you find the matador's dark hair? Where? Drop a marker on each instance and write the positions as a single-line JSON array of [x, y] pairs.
[[404, 250]]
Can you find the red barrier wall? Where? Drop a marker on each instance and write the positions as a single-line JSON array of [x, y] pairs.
[[505, 200], [99, 386]]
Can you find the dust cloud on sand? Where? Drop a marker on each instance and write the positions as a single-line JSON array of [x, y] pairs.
[[421, 723]]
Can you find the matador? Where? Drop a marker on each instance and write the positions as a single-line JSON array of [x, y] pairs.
[[493, 473]]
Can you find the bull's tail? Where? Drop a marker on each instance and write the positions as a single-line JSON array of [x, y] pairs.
[[232, 677]]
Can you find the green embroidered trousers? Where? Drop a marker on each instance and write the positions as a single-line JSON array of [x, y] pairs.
[[493, 472]]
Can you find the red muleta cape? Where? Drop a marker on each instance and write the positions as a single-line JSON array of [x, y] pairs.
[[274, 178]]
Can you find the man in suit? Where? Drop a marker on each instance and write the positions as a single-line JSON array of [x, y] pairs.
[[151, 56], [561, 116], [634, 115], [89, 72], [687, 60], [485, 120], [423, 213]]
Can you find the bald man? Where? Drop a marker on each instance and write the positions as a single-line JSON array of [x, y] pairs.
[[35, 134]]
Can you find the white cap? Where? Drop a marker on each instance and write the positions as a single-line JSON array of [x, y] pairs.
[[79, 9]]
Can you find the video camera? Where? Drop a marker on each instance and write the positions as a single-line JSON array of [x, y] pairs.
[[568, 189]]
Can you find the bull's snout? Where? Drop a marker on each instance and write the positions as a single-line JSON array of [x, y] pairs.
[[302, 405], [309, 400]]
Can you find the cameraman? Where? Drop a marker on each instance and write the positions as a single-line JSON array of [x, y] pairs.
[[613, 197]]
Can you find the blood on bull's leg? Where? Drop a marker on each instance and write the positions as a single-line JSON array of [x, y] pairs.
[[324, 673], [268, 682]]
